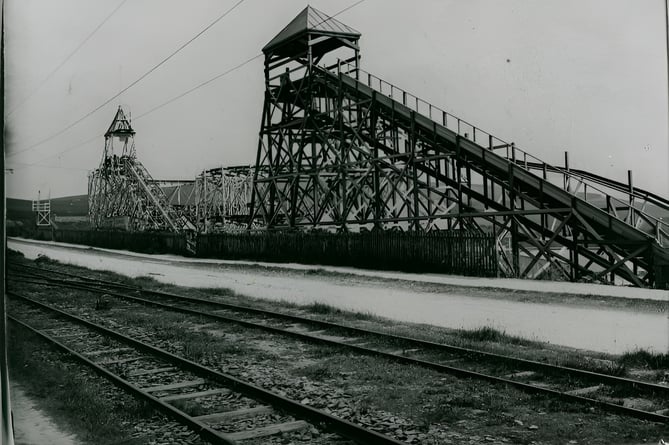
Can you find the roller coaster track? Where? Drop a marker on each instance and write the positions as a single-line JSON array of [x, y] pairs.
[[616, 194], [341, 147], [222, 196], [605, 226], [121, 187], [638, 196], [155, 195], [127, 189]]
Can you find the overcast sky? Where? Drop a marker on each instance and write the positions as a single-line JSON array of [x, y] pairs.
[[587, 76]]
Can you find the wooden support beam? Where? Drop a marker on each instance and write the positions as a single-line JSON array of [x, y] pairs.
[[584, 391], [543, 247], [592, 232], [269, 430], [119, 361], [150, 371], [227, 416], [195, 395], [172, 386], [106, 351]]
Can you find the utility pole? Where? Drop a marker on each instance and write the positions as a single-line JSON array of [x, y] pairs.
[[6, 427], [666, 30]]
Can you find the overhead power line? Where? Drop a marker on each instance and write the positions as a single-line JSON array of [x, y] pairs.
[[57, 167], [135, 82], [187, 92], [60, 153], [197, 87], [342, 11], [60, 65], [156, 108], [225, 73]]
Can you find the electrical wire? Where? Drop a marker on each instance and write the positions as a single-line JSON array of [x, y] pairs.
[[197, 87], [50, 166], [61, 64], [218, 76], [135, 82], [193, 89], [342, 11]]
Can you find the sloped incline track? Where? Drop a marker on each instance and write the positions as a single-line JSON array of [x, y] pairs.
[[618, 243]]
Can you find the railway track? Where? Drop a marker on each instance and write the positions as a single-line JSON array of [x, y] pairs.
[[230, 410], [604, 391]]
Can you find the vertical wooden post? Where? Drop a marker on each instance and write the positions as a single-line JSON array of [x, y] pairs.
[[206, 206], [7, 427], [515, 248], [357, 64], [468, 172], [342, 155], [566, 181], [377, 169], [630, 192], [458, 175], [414, 173], [485, 191]]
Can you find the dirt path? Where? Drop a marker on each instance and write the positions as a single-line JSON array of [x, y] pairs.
[[32, 426], [451, 280], [597, 325]]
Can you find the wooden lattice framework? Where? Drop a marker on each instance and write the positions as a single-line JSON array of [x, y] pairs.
[[42, 209], [343, 149], [223, 197], [122, 193]]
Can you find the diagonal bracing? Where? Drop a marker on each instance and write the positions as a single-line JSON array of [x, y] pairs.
[[342, 149], [121, 191]]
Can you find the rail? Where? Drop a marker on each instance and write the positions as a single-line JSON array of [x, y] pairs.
[[357, 433], [315, 327], [650, 197], [574, 182]]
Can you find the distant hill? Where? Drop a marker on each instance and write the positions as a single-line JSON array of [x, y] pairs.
[[21, 209], [70, 205]]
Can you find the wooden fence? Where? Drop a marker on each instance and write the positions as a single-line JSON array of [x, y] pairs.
[[451, 252], [447, 252], [145, 242]]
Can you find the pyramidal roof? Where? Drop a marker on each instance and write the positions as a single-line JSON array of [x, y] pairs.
[[120, 124], [311, 20]]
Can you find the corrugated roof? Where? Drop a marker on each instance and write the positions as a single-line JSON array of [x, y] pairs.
[[310, 20], [120, 124]]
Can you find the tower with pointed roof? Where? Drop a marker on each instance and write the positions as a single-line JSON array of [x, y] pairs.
[[122, 193], [120, 137], [341, 148], [310, 34], [290, 139]]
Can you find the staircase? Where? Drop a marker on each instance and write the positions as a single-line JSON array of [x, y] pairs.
[[154, 203]]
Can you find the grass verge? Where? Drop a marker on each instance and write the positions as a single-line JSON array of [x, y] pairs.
[[71, 395], [489, 334], [484, 338], [646, 359]]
